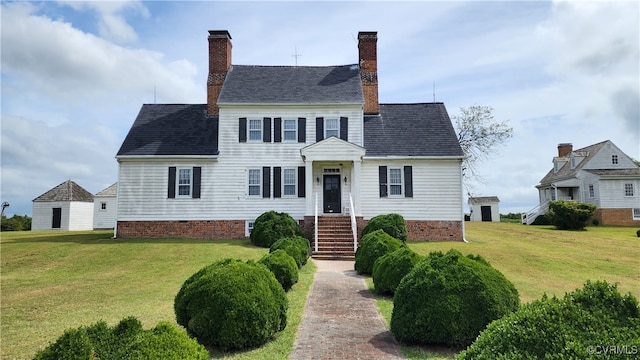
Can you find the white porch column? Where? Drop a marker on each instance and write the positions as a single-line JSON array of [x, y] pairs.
[[308, 185], [355, 185]]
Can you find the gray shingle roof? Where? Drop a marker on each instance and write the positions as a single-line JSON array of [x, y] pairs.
[[111, 191], [482, 199], [292, 85], [175, 129], [422, 129], [67, 191]]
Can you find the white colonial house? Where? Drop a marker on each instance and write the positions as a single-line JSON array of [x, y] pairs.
[[67, 206], [104, 209], [599, 174], [310, 141]]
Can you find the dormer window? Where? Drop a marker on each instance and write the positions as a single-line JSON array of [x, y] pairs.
[[614, 159], [573, 162]]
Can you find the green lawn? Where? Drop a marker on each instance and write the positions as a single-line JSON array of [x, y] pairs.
[[51, 281]]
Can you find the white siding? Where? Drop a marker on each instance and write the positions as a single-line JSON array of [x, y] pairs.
[[104, 219], [74, 215], [437, 191], [602, 159], [612, 194]]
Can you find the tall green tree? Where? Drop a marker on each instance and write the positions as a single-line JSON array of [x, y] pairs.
[[479, 134]]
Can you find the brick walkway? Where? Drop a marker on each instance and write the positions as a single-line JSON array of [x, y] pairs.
[[341, 320]]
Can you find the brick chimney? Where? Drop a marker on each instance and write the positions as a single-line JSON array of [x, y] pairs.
[[219, 63], [368, 61], [564, 149]]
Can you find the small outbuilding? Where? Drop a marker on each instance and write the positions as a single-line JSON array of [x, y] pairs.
[[104, 208], [484, 208], [67, 206]]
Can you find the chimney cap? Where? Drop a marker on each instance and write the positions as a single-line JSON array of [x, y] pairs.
[[219, 33], [565, 144], [367, 34]]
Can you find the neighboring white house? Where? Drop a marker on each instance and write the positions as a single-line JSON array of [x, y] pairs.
[[104, 209], [295, 139], [65, 207], [599, 174], [484, 208]]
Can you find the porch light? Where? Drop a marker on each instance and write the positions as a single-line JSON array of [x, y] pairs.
[[345, 180], [317, 180]]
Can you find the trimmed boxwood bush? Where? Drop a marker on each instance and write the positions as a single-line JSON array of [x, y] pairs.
[[372, 246], [127, 340], [232, 305], [638, 233], [296, 246], [541, 220], [390, 268], [392, 224], [577, 326], [570, 215], [271, 226], [449, 298], [283, 267]]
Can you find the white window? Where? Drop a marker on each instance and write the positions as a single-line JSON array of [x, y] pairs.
[[249, 227], [103, 206], [289, 181], [592, 192], [614, 159], [184, 182], [628, 189], [255, 130], [331, 128], [255, 182], [290, 130], [636, 214], [395, 181]]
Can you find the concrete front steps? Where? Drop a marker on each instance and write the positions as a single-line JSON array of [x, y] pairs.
[[335, 239]]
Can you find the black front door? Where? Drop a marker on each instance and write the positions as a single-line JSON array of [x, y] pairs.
[[485, 211], [56, 222], [331, 194]]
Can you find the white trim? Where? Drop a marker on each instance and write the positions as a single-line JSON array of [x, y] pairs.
[[259, 184], [295, 182], [398, 157], [190, 184], [259, 129], [295, 130], [147, 158]]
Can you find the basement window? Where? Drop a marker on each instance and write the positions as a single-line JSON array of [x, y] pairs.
[[636, 214]]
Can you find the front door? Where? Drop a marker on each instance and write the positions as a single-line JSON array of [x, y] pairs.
[[331, 194]]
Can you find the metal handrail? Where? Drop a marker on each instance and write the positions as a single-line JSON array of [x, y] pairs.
[[316, 223], [354, 226]]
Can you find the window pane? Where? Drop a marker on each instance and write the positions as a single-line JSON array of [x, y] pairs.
[[396, 190], [184, 182], [628, 189], [331, 128], [255, 129], [289, 181], [290, 129], [254, 182], [395, 182]]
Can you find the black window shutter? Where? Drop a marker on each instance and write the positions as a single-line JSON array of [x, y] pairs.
[[197, 174], [242, 129], [302, 130], [382, 177], [344, 128], [408, 181], [266, 129], [266, 185], [277, 182], [301, 182], [277, 129], [171, 187], [319, 129]]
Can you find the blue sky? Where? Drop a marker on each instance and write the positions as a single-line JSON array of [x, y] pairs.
[[75, 73]]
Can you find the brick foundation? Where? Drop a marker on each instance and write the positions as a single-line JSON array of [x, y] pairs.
[[620, 217], [192, 229], [425, 230]]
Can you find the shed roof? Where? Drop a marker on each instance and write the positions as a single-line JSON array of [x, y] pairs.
[[67, 191], [110, 191], [475, 200]]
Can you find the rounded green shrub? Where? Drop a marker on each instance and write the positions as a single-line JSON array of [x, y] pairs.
[[127, 340], [638, 233], [372, 246], [296, 246], [232, 305], [271, 226], [392, 224], [570, 215], [390, 268], [448, 299], [283, 267], [578, 326], [541, 220]]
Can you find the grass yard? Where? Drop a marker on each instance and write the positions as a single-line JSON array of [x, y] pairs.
[[540, 259], [52, 281]]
